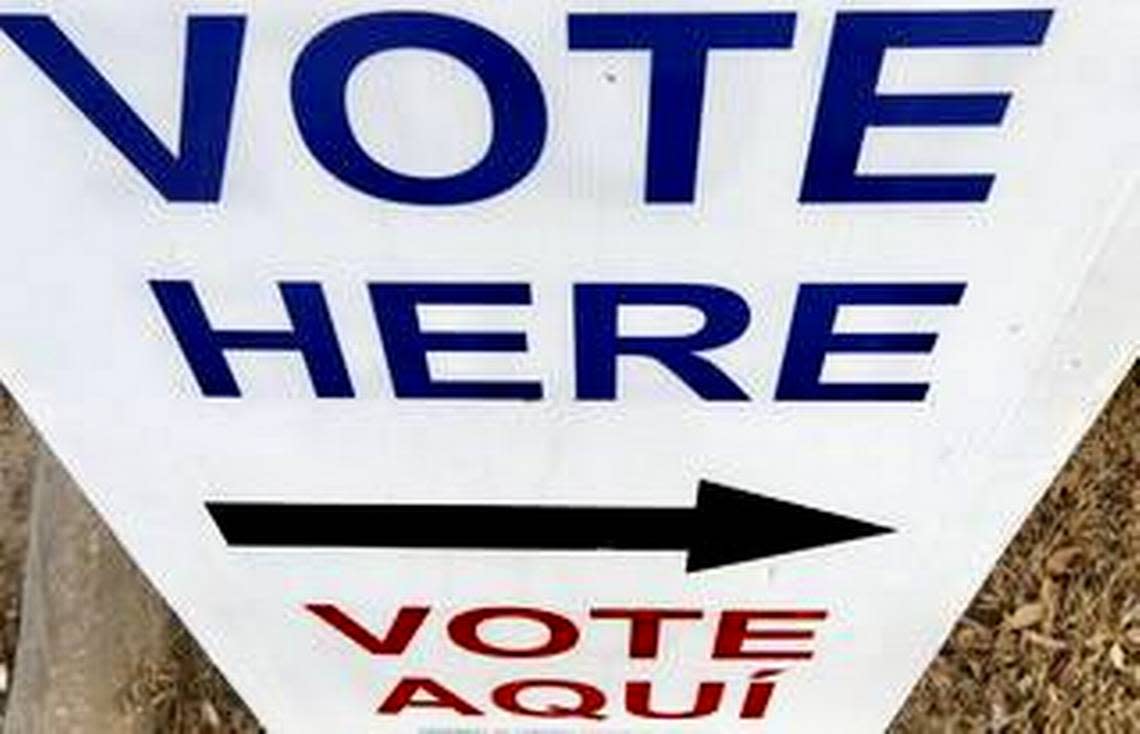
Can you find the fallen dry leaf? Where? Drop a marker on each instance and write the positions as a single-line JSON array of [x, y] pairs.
[[1116, 657], [1049, 643], [1061, 559], [210, 717], [1027, 615]]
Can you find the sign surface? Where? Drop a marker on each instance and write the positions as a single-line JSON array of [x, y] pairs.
[[567, 366]]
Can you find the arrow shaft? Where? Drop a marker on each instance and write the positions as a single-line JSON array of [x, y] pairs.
[[472, 527]]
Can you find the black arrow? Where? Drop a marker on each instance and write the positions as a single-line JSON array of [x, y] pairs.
[[726, 527]]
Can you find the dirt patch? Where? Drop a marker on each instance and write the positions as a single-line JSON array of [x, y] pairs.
[[16, 460], [1051, 644]]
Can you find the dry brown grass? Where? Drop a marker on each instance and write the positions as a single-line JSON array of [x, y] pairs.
[[185, 694], [1051, 644]]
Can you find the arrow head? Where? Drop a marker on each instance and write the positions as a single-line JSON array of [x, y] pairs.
[[733, 527]]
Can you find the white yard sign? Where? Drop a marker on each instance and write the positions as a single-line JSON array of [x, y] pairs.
[[567, 366]]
